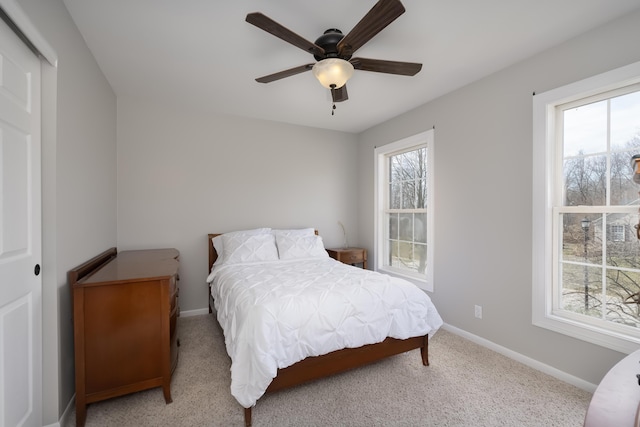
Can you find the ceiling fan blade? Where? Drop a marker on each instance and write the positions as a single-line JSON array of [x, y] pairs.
[[381, 14], [272, 27], [389, 67], [340, 94], [286, 73]]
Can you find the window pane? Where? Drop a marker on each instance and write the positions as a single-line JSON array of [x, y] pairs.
[[393, 226], [623, 247], [396, 169], [395, 195], [421, 158], [420, 253], [585, 129], [420, 228], [409, 165], [582, 238], [585, 181], [620, 305], [582, 272], [578, 281], [625, 121], [404, 257], [421, 193], [623, 190], [408, 195], [393, 253], [406, 227]]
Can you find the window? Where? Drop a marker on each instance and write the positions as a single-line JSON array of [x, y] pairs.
[[617, 233], [586, 256], [404, 214]]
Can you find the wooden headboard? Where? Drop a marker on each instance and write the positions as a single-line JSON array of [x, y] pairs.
[[213, 255]]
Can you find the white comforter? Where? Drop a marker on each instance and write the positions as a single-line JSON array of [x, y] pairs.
[[277, 313]]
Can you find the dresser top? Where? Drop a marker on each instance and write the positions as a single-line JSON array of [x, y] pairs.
[[146, 264]]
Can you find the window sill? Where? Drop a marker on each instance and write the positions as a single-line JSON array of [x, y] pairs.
[[605, 338]]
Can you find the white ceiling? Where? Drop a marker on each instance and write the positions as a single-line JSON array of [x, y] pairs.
[[202, 55]]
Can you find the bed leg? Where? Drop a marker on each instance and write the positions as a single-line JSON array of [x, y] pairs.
[[247, 417], [424, 351]]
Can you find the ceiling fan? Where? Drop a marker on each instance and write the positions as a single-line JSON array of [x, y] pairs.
[[333, 50]]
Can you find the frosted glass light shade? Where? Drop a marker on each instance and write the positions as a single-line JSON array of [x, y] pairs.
[[333, 71]]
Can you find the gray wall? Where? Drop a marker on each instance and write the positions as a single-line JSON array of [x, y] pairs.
[[180, 175], [184, 174], [483, 195], [79, 185]]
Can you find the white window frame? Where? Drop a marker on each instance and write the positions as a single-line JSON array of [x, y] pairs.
[[423, 139], [544, 135]]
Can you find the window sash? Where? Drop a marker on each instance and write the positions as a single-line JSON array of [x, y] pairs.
[[383, 211], [397, 246], [598, 316]]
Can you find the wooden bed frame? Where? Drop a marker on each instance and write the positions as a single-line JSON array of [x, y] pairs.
[[313, 368]]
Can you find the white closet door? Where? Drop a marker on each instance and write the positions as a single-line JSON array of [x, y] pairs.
[[20, 234]]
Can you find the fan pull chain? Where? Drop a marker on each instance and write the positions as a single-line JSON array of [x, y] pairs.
[[333, 96]]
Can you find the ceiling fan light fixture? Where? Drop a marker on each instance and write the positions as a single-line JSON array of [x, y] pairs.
[[333, 73]]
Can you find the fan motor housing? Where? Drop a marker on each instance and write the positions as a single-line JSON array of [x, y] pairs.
[[328, 41]]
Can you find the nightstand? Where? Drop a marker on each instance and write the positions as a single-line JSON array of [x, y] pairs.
[[349, 255]]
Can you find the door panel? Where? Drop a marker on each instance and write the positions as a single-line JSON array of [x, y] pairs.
[[20, 234]]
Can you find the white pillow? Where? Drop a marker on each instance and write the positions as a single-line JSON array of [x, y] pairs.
[[243, 248], [218, 245], [295, 232], [298, 247]]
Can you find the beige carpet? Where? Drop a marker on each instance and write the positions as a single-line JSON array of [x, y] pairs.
[[465, 385]]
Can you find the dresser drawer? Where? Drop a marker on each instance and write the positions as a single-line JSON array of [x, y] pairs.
[[352, 257], [349, 255]]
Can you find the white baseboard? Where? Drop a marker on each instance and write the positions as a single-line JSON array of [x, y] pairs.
[[198, 312], [532, 363], [64, 419]]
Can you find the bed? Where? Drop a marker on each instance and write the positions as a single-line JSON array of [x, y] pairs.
[[290, 314]]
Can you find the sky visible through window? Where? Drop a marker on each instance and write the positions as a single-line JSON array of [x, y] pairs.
[[586, 126]]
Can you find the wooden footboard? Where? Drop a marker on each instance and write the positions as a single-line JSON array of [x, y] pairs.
[[313, 368], [338, 361]]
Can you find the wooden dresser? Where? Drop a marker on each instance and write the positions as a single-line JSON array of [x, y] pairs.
[[125, 307]]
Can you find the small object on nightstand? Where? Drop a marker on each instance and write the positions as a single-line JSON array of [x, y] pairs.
[[349, 255]]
